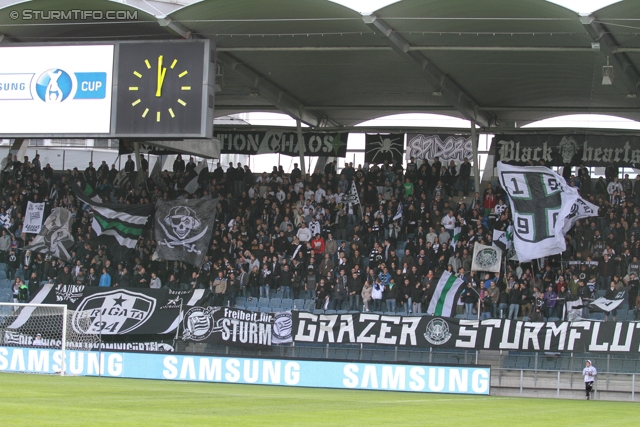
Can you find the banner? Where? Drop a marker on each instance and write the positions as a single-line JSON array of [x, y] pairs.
[[580, 209], [282, 142], [183, 229], [486, 258], [489, 334], [604, 305], [445, 147], [446, 294], [33, 218], [541, 202], [383, 147], [118, 226], [241, 370], [54, 238], [233, 326], [558, 150], [115, 311]]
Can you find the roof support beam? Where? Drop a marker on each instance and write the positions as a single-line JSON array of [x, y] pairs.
[[609, 47], [280, 98], [451, 91], [410, 48], [286, 102]]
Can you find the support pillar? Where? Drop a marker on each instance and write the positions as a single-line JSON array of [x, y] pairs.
[[474, 145]]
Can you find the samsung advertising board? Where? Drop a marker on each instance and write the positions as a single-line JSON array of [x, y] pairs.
[[49, 90], [151, 89], [239, 370]]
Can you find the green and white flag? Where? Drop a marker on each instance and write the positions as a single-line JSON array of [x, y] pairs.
[[117, 226], [456, 235], [445, 296]]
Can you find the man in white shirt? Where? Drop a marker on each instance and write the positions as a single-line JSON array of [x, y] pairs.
[[589, 373], [303, 234], [320, 194], [449, 223]]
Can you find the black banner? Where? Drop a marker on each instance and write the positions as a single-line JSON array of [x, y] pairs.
[[128, 147], [445, 147], [276, 141], [381, 147], [490, 334], [117, 311], [236, 327], [558, 150]]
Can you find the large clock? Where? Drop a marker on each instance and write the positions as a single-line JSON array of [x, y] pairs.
[[163, 89]]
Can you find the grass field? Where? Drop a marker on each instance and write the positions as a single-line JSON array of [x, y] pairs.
[[37, 400]]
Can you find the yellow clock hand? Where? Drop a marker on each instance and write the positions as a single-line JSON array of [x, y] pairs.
[[162, 71]]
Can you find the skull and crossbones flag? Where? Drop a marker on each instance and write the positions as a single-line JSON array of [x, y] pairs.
[[381, 147], [183, 229]]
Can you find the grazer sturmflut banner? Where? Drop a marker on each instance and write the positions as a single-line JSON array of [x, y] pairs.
[[489, 334], [283, 142], [558, 150], [233, 326], [115, 311]]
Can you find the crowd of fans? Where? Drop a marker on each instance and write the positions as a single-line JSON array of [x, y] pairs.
[[302, 235]]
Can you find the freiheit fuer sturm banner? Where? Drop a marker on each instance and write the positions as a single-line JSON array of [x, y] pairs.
[[489, 334]]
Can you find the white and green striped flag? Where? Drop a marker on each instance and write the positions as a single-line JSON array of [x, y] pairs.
[[456, 235], [443, 302]]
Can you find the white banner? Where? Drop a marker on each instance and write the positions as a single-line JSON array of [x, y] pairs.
[[33, 218], [486, 258], [541, 202]]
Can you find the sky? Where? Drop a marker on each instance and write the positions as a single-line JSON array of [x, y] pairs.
[[583, 7]]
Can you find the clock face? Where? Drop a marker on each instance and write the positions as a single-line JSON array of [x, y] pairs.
[[160, 89]]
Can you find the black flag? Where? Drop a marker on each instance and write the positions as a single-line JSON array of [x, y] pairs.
[[183, 229], [381, 147]]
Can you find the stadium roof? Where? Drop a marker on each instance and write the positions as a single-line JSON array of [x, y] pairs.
[[502, 63]]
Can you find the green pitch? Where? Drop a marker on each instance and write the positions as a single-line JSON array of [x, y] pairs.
[[36, 400]]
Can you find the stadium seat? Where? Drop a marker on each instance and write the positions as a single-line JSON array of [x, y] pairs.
[[596, 316], [522, 362], [287, 303], [615, 365], [253, 308], [252, 302], [622, 315], [330, 312], [318, 311], [240, 301], [275, 302], [525, 319], [6, 283], [277, 310], [3, 266], [548, 363], [3, 274], [389, 313], [460, 316], [629, 366], [298, 304], [509, 362], [5, 296], [342, 312], [278, 294], [263, 302], [265, 309], [554, 319]]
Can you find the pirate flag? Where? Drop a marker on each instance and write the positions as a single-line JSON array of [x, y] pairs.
[[54, 238], [381, 147], [183, 229]]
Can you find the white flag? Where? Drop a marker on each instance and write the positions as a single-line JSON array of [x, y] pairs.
[[541, 202], [444, 298], [580, 209], [486, 258], [33, 218]]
